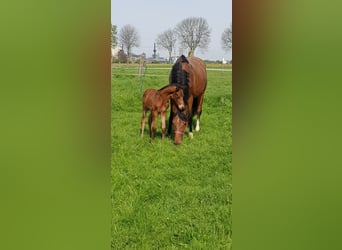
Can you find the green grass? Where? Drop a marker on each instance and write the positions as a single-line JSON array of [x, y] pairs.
[[166, 196]]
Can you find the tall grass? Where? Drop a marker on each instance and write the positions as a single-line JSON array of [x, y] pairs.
[[166, 196]]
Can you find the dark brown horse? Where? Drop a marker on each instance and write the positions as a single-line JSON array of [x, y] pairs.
[[190, 75], [158, 102]]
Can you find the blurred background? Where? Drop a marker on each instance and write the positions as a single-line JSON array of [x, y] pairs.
[[55, 125]]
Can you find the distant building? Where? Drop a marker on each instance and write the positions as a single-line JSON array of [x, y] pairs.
[[115, 51]]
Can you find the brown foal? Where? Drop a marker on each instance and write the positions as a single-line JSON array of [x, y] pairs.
[[157, 101]]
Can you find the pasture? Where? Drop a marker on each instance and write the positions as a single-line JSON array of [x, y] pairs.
[[166, 196]]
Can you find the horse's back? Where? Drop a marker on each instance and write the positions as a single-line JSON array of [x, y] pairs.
[[198, 62], [149, 97], [198, 77]]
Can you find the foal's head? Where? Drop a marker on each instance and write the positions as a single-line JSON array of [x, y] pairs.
[[178, 98]]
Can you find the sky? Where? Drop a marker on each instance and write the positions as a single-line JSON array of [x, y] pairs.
[[152, 17]]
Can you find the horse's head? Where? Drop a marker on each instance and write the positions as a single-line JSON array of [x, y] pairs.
[[179, 122], [178, 98]]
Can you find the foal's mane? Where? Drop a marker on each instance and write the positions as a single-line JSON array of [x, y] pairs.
[[180, 77], [164, 87]]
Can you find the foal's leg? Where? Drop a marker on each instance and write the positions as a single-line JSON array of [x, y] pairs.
[[199, 111], [143, 121], [149, 124], [154, 115], [163, 118]]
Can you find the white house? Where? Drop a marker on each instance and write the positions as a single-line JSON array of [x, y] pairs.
[[115, 51]]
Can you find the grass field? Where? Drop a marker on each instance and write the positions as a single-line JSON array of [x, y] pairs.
[[166, 196]]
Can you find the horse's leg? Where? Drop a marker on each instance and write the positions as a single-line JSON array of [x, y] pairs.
[[190, 102], [163, 117], [143, 121], [199, 111], [169, 127]]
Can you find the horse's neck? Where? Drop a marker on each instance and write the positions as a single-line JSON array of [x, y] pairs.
[[166, 92]]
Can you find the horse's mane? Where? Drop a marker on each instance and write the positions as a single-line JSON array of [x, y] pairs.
[[180, 77], [182, 116]]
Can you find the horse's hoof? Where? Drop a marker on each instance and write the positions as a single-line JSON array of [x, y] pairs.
[[191, 135]]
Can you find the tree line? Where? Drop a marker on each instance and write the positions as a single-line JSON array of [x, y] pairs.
[[191, 33]]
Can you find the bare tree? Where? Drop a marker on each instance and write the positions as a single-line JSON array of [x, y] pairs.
[[193, 32], [129, 38], [167, 40], [227, 38]]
